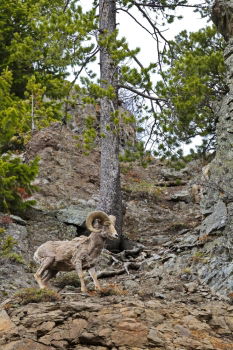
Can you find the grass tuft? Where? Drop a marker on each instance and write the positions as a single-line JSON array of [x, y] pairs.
[[34, 295]]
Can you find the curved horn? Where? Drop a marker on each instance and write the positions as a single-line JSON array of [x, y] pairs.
[[95, 215]]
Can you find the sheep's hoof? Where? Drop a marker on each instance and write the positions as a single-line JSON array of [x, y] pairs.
[[84, 292]]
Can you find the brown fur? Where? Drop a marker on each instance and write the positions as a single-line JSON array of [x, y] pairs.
[[78, 254]]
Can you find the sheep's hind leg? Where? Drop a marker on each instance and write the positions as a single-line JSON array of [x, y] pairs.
[[93, 274], [39, 273]]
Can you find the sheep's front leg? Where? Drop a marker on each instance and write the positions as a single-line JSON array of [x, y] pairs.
[[93, 274], [79, 270], [39, 273]]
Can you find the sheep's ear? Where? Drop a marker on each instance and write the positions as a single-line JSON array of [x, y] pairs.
[[112, 218]]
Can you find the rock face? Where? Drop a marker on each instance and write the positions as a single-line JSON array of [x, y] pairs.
[[116, 322], [218, 198], [216, 220], [66, 176], [163, 301]]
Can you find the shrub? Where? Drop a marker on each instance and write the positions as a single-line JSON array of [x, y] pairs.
[[112, 289], [69, 278], [143, 187]]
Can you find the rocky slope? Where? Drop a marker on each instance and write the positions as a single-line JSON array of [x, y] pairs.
[[116, 322], [157, 296]]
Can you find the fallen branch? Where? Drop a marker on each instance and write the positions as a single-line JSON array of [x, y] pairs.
[[111, 273], [122, 256], [170, 183]]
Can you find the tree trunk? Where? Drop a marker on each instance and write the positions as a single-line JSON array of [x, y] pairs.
[[110, 189]]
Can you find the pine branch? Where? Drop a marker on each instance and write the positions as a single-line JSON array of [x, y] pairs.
[[121, 86]]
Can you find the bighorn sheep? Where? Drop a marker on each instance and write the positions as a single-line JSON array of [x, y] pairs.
[[78, 254]]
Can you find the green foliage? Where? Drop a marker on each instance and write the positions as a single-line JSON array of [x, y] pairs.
[[15, 182], [118, 48], [139, 78], [15, 177], [134, 153], [192, 84], [19, 116], [12, 113], [7, 244], [43, 112], [34, 295], [89, 134], [43, 38], [40, 42]]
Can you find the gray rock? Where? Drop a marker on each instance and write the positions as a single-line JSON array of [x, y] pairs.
[[131, 285], [171, 174], [19, 234], [150, 263], [18, 220], [215, 221], [191, 287], [154, 337], [187, 240], [75, 214], [183, 196], [160, 239]]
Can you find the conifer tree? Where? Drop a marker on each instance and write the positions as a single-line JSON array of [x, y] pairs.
[[192, 86], [41, 40], [15, 176], [116, 75]]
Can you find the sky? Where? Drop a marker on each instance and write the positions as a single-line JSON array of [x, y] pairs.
[[137, 37]]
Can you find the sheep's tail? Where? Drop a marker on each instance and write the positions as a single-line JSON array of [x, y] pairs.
[[36, 257]]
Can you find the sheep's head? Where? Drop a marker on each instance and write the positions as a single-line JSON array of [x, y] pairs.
[[98, 221]]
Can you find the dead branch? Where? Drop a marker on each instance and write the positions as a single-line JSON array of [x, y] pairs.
[[111, 273]]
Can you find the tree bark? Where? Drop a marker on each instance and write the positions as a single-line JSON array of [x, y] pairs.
[[110, 189]]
